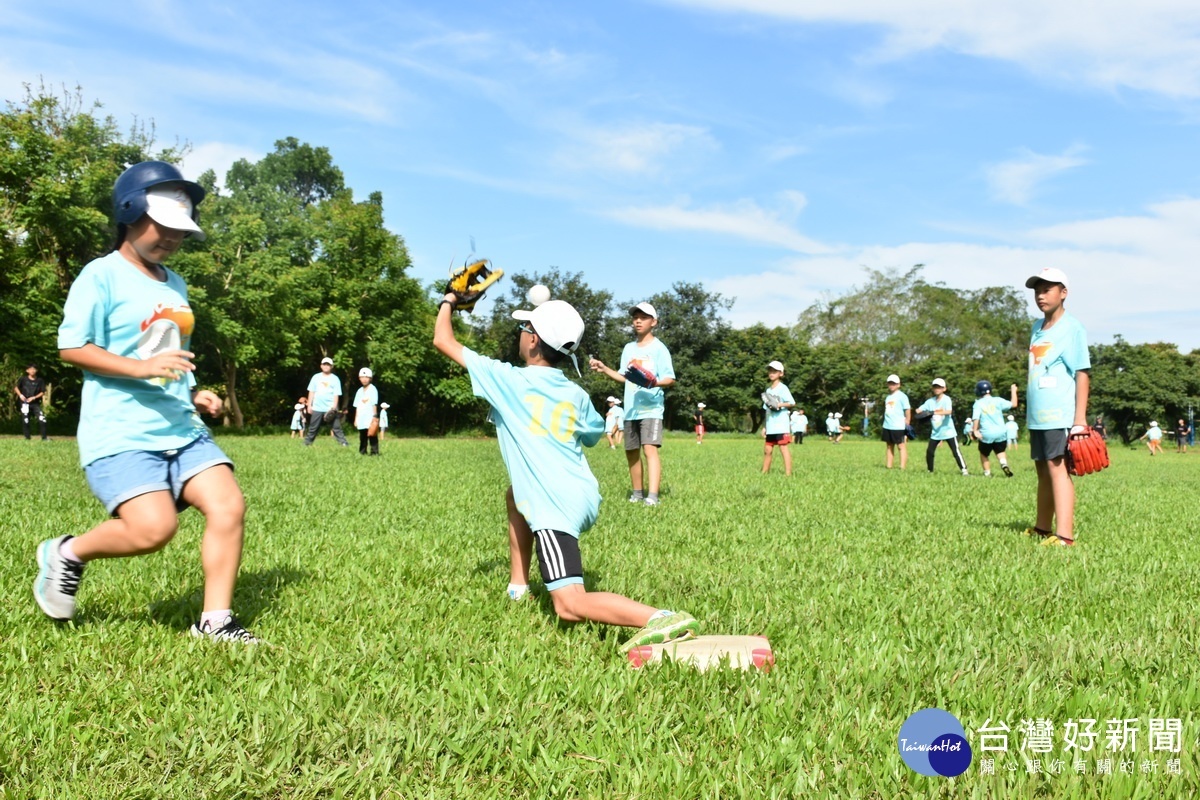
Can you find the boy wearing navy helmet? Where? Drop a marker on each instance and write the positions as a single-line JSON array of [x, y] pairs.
[[990, 427]]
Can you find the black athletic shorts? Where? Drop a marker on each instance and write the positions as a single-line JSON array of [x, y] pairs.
[[987, 448], [558, 558], [894, 437]]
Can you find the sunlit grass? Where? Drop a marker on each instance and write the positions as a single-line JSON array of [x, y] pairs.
[[400, 669]]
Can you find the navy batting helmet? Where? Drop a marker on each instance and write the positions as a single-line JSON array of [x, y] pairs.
[[982, 388], [129, 192]]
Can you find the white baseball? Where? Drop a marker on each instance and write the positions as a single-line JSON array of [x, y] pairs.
[[538, 294]]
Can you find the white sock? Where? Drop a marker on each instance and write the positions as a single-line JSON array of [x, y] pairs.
[[67, 551], [517, 590], [987, 473], [212, 620]]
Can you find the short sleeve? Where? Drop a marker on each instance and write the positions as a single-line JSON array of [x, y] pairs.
[[312, 383], [666, 368], [487, 375], [1076, 357], [85, 313], [787, 396], [591, 424]]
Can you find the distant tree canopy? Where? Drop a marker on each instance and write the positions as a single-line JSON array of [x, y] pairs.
[[294, 268]]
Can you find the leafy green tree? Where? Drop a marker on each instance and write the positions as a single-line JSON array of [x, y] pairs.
[[58, 160], [1132, 384]]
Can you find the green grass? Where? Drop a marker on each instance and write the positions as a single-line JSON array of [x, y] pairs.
[[401, 669]]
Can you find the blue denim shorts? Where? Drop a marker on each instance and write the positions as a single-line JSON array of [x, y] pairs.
[[124, 476]]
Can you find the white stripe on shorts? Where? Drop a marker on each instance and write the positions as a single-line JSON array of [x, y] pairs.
[[552, 554]]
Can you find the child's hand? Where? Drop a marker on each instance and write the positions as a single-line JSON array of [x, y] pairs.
[[206, 401], [169, 364], [596, 364]]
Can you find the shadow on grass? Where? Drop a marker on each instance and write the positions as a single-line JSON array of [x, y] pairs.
[[255, 592]]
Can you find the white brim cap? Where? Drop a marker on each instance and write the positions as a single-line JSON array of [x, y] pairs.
[[939, 382], [1011, 418], [556, 323], [172, 208], [385, 405], [893, 378], [701, 405], [1153, 424], [365, 372], [775, 365], [327, 360], [610, 399], [1050, 275], [646, 309]]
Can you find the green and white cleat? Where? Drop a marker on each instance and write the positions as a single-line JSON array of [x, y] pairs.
[[667, 628]]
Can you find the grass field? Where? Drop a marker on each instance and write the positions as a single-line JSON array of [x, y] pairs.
[[400, 668]]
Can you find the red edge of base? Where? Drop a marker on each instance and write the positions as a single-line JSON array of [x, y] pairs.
[[764, 659], [639, 656]]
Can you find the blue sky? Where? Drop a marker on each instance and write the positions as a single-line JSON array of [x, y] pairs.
[[771, 149]]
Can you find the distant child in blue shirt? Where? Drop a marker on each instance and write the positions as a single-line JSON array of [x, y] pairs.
[[1153, 437], [776, 428], [941, 411], [298, 418], [543, 422], [1013, 432], [1057, 398], [989, 426], [897, 417], [146, 454], [644, 405], [383, 419]]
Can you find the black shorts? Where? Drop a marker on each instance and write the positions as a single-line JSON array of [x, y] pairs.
[[779, 439], [1047, 445], [894, 437], [558, 558], [987, 448]]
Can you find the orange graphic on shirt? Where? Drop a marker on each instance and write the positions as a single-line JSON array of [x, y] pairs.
[[181, 315], [1038, 351]]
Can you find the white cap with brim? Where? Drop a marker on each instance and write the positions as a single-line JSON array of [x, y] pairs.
[[172, 208], [1153, 424], [1011, 418], [327, 360], [701, 405], [385, 405], [610, 399], [893, 378], [775, 365], [1050, 275], [556, 323], [939, 382], [646, 309], [365, 372]]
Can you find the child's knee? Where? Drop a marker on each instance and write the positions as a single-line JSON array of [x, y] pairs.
[[152, 535], [567, 606]]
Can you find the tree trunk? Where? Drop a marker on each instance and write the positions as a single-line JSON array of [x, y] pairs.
[[233, 411]]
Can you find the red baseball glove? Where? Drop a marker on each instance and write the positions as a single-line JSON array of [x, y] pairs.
[[1086, 453], [636, 373]]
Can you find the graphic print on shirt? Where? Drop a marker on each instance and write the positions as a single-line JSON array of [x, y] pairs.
[[167, 328]]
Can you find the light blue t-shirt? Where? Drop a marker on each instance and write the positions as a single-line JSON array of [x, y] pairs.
[[799, 422], [943, 424], [114, 305], [383, 420], [990, 413], [1055, 355], [1154, 434], [543, 422], [642, 403], [893, 411], [1012, 429], [366, 400], [778, 421], [326, 390], [615, 417]]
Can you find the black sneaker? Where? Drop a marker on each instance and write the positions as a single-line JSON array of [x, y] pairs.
[[1007, 471], [231, 631]]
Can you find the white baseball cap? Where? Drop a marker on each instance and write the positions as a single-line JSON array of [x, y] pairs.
[[384, 405], [327, 360], [1010, 418], [1050, 274], [939, 382], [838, 415], [775, 365], [556, 322], [610, 399], [701, 405], [646, 309], [893, 378], [1153, 424], [365, 372], [298, 406], [170, 206]]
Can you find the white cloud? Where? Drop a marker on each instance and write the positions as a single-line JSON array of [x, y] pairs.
[[1129, 275], [217, 156], [1150, 45], [632, 149], [1014, 181], [744, 220]]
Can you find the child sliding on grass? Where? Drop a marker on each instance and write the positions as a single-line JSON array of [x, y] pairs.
[[146, 454], [543, 421]]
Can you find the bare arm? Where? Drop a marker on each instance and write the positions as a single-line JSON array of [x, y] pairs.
[[1083, 384], [599, 366], [96, 359], [663, 383], [1013, 398], [443, 333]]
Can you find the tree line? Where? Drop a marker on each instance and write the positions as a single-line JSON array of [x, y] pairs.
[[295, 268]]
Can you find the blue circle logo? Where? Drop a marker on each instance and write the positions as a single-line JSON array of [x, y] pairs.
[[933, 742]]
